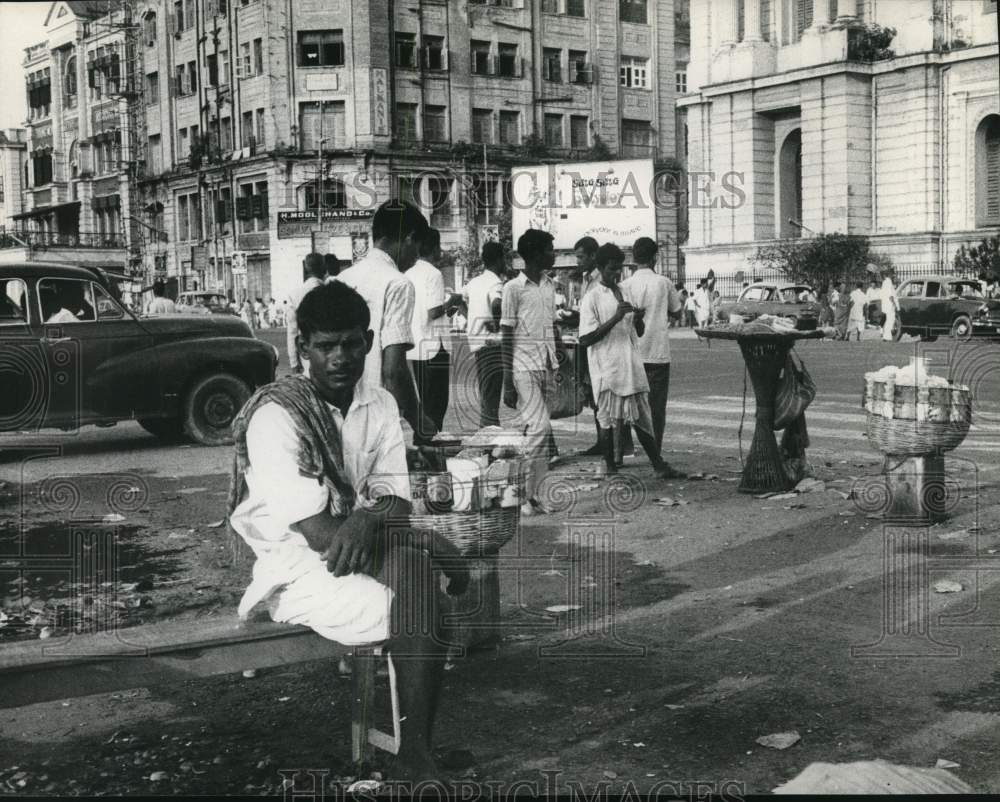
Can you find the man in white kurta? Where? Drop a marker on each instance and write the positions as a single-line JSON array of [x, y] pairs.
[[610, 326], [890, 306]]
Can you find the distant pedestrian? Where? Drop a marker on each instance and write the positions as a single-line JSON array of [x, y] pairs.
[[890, 306], [690, 307], [160, 305], [483, 298], [429, 358], [315, 271], [859, 308], [842, 311], [702, 303]]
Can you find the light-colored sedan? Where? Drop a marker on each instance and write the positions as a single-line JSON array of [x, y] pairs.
[[785, 300]]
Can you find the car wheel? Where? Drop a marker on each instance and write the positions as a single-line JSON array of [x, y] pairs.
[[169, 429], [961, 328], [211, 406], [897, 330]]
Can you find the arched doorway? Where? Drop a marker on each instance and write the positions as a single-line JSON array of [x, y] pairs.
[[790, 185], [988, 172]]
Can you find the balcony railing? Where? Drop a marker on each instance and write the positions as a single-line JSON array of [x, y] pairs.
[[52, 239]]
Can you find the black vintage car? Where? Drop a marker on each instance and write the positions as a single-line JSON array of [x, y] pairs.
[[934, 305], [71, 354]]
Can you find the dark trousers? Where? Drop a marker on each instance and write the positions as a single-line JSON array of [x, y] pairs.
[[658, 376], [489, 372], [432, 377]]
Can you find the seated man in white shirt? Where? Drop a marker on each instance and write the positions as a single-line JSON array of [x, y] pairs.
[[321, 492]]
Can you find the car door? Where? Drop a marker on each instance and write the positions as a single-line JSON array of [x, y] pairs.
[[122, 376], [936, 316], [24, 398], [66, 315], [911, 305]]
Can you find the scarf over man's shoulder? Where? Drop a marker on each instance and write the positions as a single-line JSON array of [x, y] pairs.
[[321, 454]]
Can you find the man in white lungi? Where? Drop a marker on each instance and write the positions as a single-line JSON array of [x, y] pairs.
[[320, 491], [610, 327]]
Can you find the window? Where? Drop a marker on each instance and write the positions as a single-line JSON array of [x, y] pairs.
[[334, 195], [321, 48], [261, 139], [550, 6], [244, 209], [635, 11], [480, 57], [246, 129], [576, 8], [149, 29], [13, 295], [439, 192], [790, 185], [258, 56], [223, 67], [553, 130], [226, 135], [510, 128], [72, 295], [183, 145], [482, 126], [152, 88], [325, 120], [222, 207], [435, 124], [914, 289], [580, 71], [181, 79], [192, 77], [154, 158], [484, 194], [39, 86], [41, 168], [934, 289], [803, 13], [406, 50], [634, 72], [406, 121], [106, 306], [183, 224], [434, 54], [552, 65], [188, 217], [69, 84], [681, 82], [508, 64], [579, 132], [988, 172], [637, 138], [179, 15], [245, 69], [213, 69]]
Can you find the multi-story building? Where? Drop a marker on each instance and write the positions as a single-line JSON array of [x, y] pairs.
[[798, 106], [13, 159], [264, 117], [74, 186]]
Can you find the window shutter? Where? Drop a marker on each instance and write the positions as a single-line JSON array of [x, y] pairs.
[[993, 173], [243, 208], [803, 17], [257, 206]]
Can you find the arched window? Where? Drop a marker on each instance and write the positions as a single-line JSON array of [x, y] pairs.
[[790, 183], [69, 83], [334, 195], [988, 172], [149, 28]]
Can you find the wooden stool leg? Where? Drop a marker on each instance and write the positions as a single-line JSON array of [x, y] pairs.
[[362, 704]]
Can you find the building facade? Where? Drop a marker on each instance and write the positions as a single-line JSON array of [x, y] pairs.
[[72, 191], [13, 161], [796, 125]]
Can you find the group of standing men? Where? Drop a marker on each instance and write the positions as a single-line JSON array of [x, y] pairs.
[[852, 310]]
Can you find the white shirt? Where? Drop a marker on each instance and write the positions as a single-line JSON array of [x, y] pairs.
[[278, 496], [530, 310], [614, 361], [390, 299], [657, 295], [63, 316], [429, 336], [161, 306], [479, 295], [887, 294], [858, 301], [873, 295]]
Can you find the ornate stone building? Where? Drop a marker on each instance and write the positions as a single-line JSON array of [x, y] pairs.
[[796, 124]]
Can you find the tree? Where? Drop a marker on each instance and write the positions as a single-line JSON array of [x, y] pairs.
[[822, 260], [980, 259]]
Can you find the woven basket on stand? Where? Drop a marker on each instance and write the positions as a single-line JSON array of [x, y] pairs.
[[923, 420], [473, 533]]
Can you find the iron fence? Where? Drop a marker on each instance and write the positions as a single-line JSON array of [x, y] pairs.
[[41, 240]]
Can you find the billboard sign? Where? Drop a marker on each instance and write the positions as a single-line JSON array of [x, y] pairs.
[[611, 201]]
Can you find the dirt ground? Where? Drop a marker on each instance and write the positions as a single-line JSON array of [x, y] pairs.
[[695, 634]]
